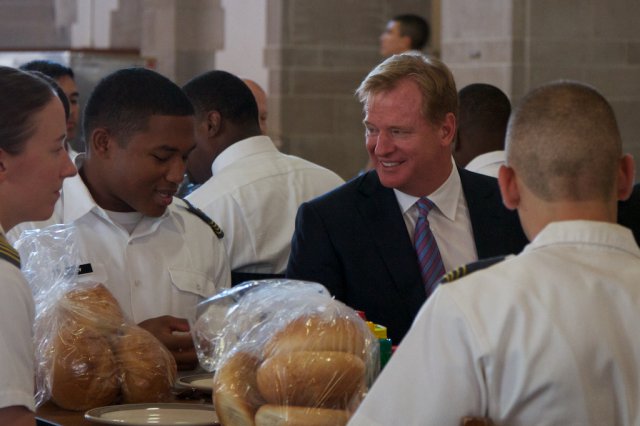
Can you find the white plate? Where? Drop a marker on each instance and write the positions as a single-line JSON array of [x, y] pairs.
[[154, 414], [203, 382]]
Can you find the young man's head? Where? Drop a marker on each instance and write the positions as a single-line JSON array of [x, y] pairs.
[[482, 121], [564, 157], [410, 104], [226, 113], [404, 33], [65, 78], [139, 128]]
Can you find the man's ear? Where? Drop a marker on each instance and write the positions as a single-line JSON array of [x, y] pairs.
[[448, 129], [509, 187], [626, 177], [100, 142], [214, 123]]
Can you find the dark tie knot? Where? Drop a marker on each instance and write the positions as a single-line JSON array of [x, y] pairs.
[[424, 206]]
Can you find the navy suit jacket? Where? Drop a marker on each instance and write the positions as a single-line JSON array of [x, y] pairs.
[[354, 241]]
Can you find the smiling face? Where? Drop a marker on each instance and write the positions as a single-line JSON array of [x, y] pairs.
[[33, 178], [409, 152], [144, 173]]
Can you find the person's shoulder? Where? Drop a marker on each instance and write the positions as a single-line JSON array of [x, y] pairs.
[[195, 217], [466, 270]]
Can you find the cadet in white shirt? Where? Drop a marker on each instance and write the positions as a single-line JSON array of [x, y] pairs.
[[156, 257], [548, 337], [250, 188], [33, 164]]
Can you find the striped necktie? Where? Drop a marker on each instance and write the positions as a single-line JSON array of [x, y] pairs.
[[429, 260], [8, 253]]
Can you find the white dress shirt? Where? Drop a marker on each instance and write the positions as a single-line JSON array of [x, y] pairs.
[[449, 221], [16, 334], [164, 267], [254, 195], [548, 337], [487, 164]]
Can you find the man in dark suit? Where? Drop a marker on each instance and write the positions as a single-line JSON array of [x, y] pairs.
[[358, 240], [629, 212]]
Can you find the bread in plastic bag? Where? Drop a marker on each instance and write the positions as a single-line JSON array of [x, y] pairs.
[[87, 353], [284, 353]]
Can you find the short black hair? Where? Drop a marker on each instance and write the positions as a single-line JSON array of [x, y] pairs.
[[54, 70], [23, 95], [124, 101], [416, 28], [229, 95], [484, 107]]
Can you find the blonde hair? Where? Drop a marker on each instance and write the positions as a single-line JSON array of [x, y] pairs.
[[564, 143], [436, 83]]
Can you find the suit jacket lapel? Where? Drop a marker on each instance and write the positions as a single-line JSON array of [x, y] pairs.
[[381, 213]]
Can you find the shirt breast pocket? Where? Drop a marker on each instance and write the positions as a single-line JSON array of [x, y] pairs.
[[191, 282]]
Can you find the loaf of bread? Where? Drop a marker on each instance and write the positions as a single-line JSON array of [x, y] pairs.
[[235, 392], [278, 415], [318, 333], [148, 369], [84, 373], [311, 378], [93, 306]]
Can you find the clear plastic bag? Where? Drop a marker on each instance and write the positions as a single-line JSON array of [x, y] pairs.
[[284, 352], [87, 353]]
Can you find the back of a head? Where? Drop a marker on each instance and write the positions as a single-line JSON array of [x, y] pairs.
[[564, 143], [416, 28], [124, 101], [432, 76], [23, 95], [482, 120], [229, 95], [50, 68]]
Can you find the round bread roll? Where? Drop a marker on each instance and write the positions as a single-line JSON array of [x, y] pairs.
[[93, 306], [84, 370], [278, 415], [315, 333], [311, 379], [148, 369], [235, 392]]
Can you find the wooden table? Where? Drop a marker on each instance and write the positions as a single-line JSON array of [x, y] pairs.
[[52, 413]]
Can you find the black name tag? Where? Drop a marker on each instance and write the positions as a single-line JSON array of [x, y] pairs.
[[85, 269]]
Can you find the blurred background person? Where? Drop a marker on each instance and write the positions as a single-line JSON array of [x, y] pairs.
[[261, 99], [65, 78], [403, 34], [483, 115], [33, 164]]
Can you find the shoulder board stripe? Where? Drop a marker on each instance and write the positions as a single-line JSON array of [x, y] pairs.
[[465, 270], [202, 215], [8, 253]]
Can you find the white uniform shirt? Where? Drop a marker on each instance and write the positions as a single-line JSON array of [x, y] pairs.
[[254, 195], [488, 163], [548, 337], [449, 221], [16, 339], [165, 267]]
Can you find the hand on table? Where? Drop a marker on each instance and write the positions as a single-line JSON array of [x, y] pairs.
[[180, 344]]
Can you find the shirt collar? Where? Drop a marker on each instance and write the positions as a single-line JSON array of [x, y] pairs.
[[585, 231], [445, 197], [78, 201], [242, 149]]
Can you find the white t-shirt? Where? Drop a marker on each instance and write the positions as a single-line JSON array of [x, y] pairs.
[[165, 266], [254, 195], [548, 337]]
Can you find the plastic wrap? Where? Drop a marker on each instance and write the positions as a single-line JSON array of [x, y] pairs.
[[284, 352], [87, 353]]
